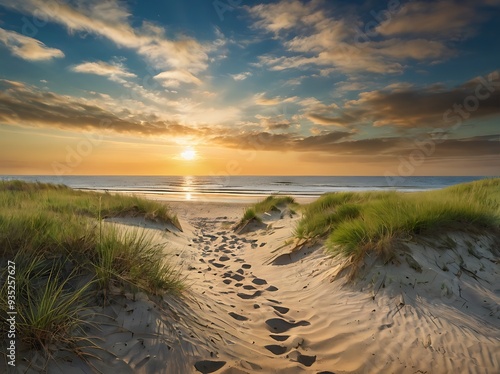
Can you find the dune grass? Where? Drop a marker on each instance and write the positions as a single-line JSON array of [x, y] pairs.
[[273, 202], [270, 203], [250, 214], [62, 199], [66, 256], [354, 224]]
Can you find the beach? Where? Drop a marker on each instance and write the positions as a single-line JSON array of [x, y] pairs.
[[240, 187], [259, 301], [257, 306]]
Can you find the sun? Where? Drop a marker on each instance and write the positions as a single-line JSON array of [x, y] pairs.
[[188, 154]]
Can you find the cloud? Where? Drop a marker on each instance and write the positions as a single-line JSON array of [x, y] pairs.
[[110, 19], [346, 86], [324, 120], [340, 143], [407, 106], [27, 106], [261, 99], [284, 15], [279, 126], [241, 76], [173, 78], [314, 35], [28, 48], [426, 107], [274, 123], [464, 147], [267, 141], [23, 105], [114, 71], [322, 114], [326, 142], [446, 18]]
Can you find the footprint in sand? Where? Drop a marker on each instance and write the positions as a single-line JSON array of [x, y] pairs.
[[207, 366], [279, 325], [223, 258], [276, 349], [274, 301], [303, 359], [227, 281], [247, 296], [237, 277], [218, 265], [280, 309], [259, 281], [279, 338], [238, 317], [246, 266], [249, 287], [272, 288]]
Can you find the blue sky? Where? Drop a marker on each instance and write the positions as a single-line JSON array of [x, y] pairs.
[[305, 87]]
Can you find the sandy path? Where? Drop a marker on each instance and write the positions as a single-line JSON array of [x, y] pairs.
[[293, 318], [241, 300], [253, 306]]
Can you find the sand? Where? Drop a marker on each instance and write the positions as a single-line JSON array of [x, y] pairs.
[[259, 302]]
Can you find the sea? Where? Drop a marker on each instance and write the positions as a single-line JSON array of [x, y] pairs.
[[242, 189]]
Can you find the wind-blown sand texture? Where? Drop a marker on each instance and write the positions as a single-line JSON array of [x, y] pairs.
[[257, 304]]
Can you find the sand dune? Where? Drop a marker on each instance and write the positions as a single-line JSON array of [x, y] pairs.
[[253, 305]]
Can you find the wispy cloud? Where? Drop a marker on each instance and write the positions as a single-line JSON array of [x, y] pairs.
[[114, 71], [274, 123], [346, 86], [23, 105], [110, 19], [448, 18], [312, 34], [261, 99], [27, 106], [241, 76], [286, 15], [425, 107], [28, 48], [340, 143], [173, 79], [322, 114], [408, 106]]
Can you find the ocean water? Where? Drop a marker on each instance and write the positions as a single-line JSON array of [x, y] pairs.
[[241, 188]]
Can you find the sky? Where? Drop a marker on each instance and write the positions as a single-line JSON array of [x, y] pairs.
[[241, 87]]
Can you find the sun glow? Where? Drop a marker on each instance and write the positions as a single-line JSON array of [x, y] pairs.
[[188, 154]]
